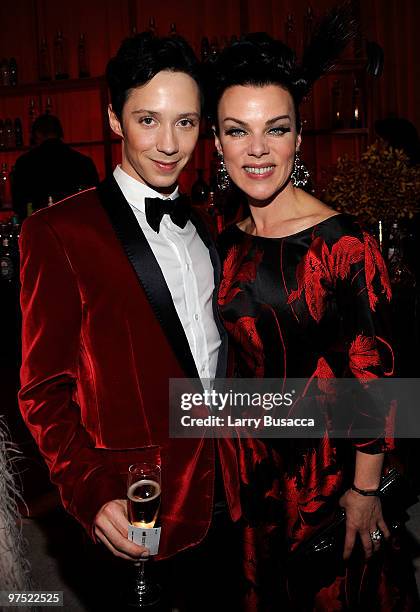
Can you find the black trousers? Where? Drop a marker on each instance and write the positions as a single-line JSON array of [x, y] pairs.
[[205, 578]]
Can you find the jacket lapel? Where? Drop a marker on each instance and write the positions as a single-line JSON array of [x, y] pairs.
[[146, 267]]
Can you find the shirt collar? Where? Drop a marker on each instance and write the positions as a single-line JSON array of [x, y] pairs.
[[135, 192]]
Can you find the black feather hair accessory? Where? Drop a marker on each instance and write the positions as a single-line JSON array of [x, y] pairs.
[[258, 59], [329, 40]]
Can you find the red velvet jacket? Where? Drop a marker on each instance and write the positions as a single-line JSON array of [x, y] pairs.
[[101, 338]]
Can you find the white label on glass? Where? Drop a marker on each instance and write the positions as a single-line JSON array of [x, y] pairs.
[[145, 537]]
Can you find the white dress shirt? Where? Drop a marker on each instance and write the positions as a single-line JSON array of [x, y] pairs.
[[186, 266]]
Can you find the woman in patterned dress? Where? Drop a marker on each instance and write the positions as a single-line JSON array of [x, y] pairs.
[[304, 294]]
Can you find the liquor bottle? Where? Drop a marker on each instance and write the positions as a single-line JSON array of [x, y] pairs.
[[4, 184], [336, 94], [4, 72], [205, 49], [60, 57], [29, 209], [290, 33], [2, 139], [308, 26], [200, 190], [9, 134], [18, 133], [214, 47], [214, 167], [400, 272], [224, 42], [152, 26], [13, 72], [44, 61], [48, 106], [356, 117], [172, 30], [82, 58], [394, 241], [32, 116], [214, 211], [307, 114], [7, 269]]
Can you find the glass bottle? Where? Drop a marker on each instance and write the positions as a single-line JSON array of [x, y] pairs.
[[172, 30], [399, 270], [18, 133], [224, 42], [290, 33], [308, 26], [214, 47], [356, 115], [7, 271], [48, 106], [44, 61], [4, 72], [200, 190], [205, 49], [82, 58], [152, 26], [60, 57], [2, 136], [336, 94], [4, 184], [13, 72], [215, 211], [9, 134], [32, 113]]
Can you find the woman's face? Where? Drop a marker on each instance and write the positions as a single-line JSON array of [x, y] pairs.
[[257, 137]]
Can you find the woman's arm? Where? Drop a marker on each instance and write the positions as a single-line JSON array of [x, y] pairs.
[[364, 513]]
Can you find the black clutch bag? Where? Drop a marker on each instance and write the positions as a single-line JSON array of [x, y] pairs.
[[327, 545]]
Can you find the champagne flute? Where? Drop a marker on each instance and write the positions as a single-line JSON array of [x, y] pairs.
[[143, 502]]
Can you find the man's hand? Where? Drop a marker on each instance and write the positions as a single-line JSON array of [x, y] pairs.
[[111, 528]]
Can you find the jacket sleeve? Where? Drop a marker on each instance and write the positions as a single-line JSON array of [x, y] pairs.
[[51, 328]]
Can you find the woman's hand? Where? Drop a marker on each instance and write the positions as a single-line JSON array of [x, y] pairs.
[[363, 517]]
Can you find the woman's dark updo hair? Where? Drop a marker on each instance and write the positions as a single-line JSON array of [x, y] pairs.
[[258, 60]]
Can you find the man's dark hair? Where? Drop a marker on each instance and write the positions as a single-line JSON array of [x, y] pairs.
[[47, 126], [140, 58]]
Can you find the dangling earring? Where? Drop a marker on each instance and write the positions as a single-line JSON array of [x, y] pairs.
[[222, 177], [300, 174]]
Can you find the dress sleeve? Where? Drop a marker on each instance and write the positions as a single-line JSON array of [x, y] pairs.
[[363, 294]]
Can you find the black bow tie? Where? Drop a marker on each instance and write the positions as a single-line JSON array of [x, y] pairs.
[[179, 211]]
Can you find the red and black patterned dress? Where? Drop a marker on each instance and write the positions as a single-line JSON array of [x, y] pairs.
[[312, 304]]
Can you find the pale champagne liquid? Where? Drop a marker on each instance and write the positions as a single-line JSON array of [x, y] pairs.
[[143, 503]]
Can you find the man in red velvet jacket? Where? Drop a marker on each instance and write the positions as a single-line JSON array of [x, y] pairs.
[[117, 298]]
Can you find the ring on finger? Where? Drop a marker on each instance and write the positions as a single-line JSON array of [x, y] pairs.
[[376, 536]]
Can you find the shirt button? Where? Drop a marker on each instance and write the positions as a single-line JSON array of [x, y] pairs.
[[196, 316], [188, 266]]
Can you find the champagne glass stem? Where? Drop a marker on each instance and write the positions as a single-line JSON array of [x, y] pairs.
[[140, 577]]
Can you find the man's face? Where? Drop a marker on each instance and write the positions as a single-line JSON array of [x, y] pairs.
[[159, 128]]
